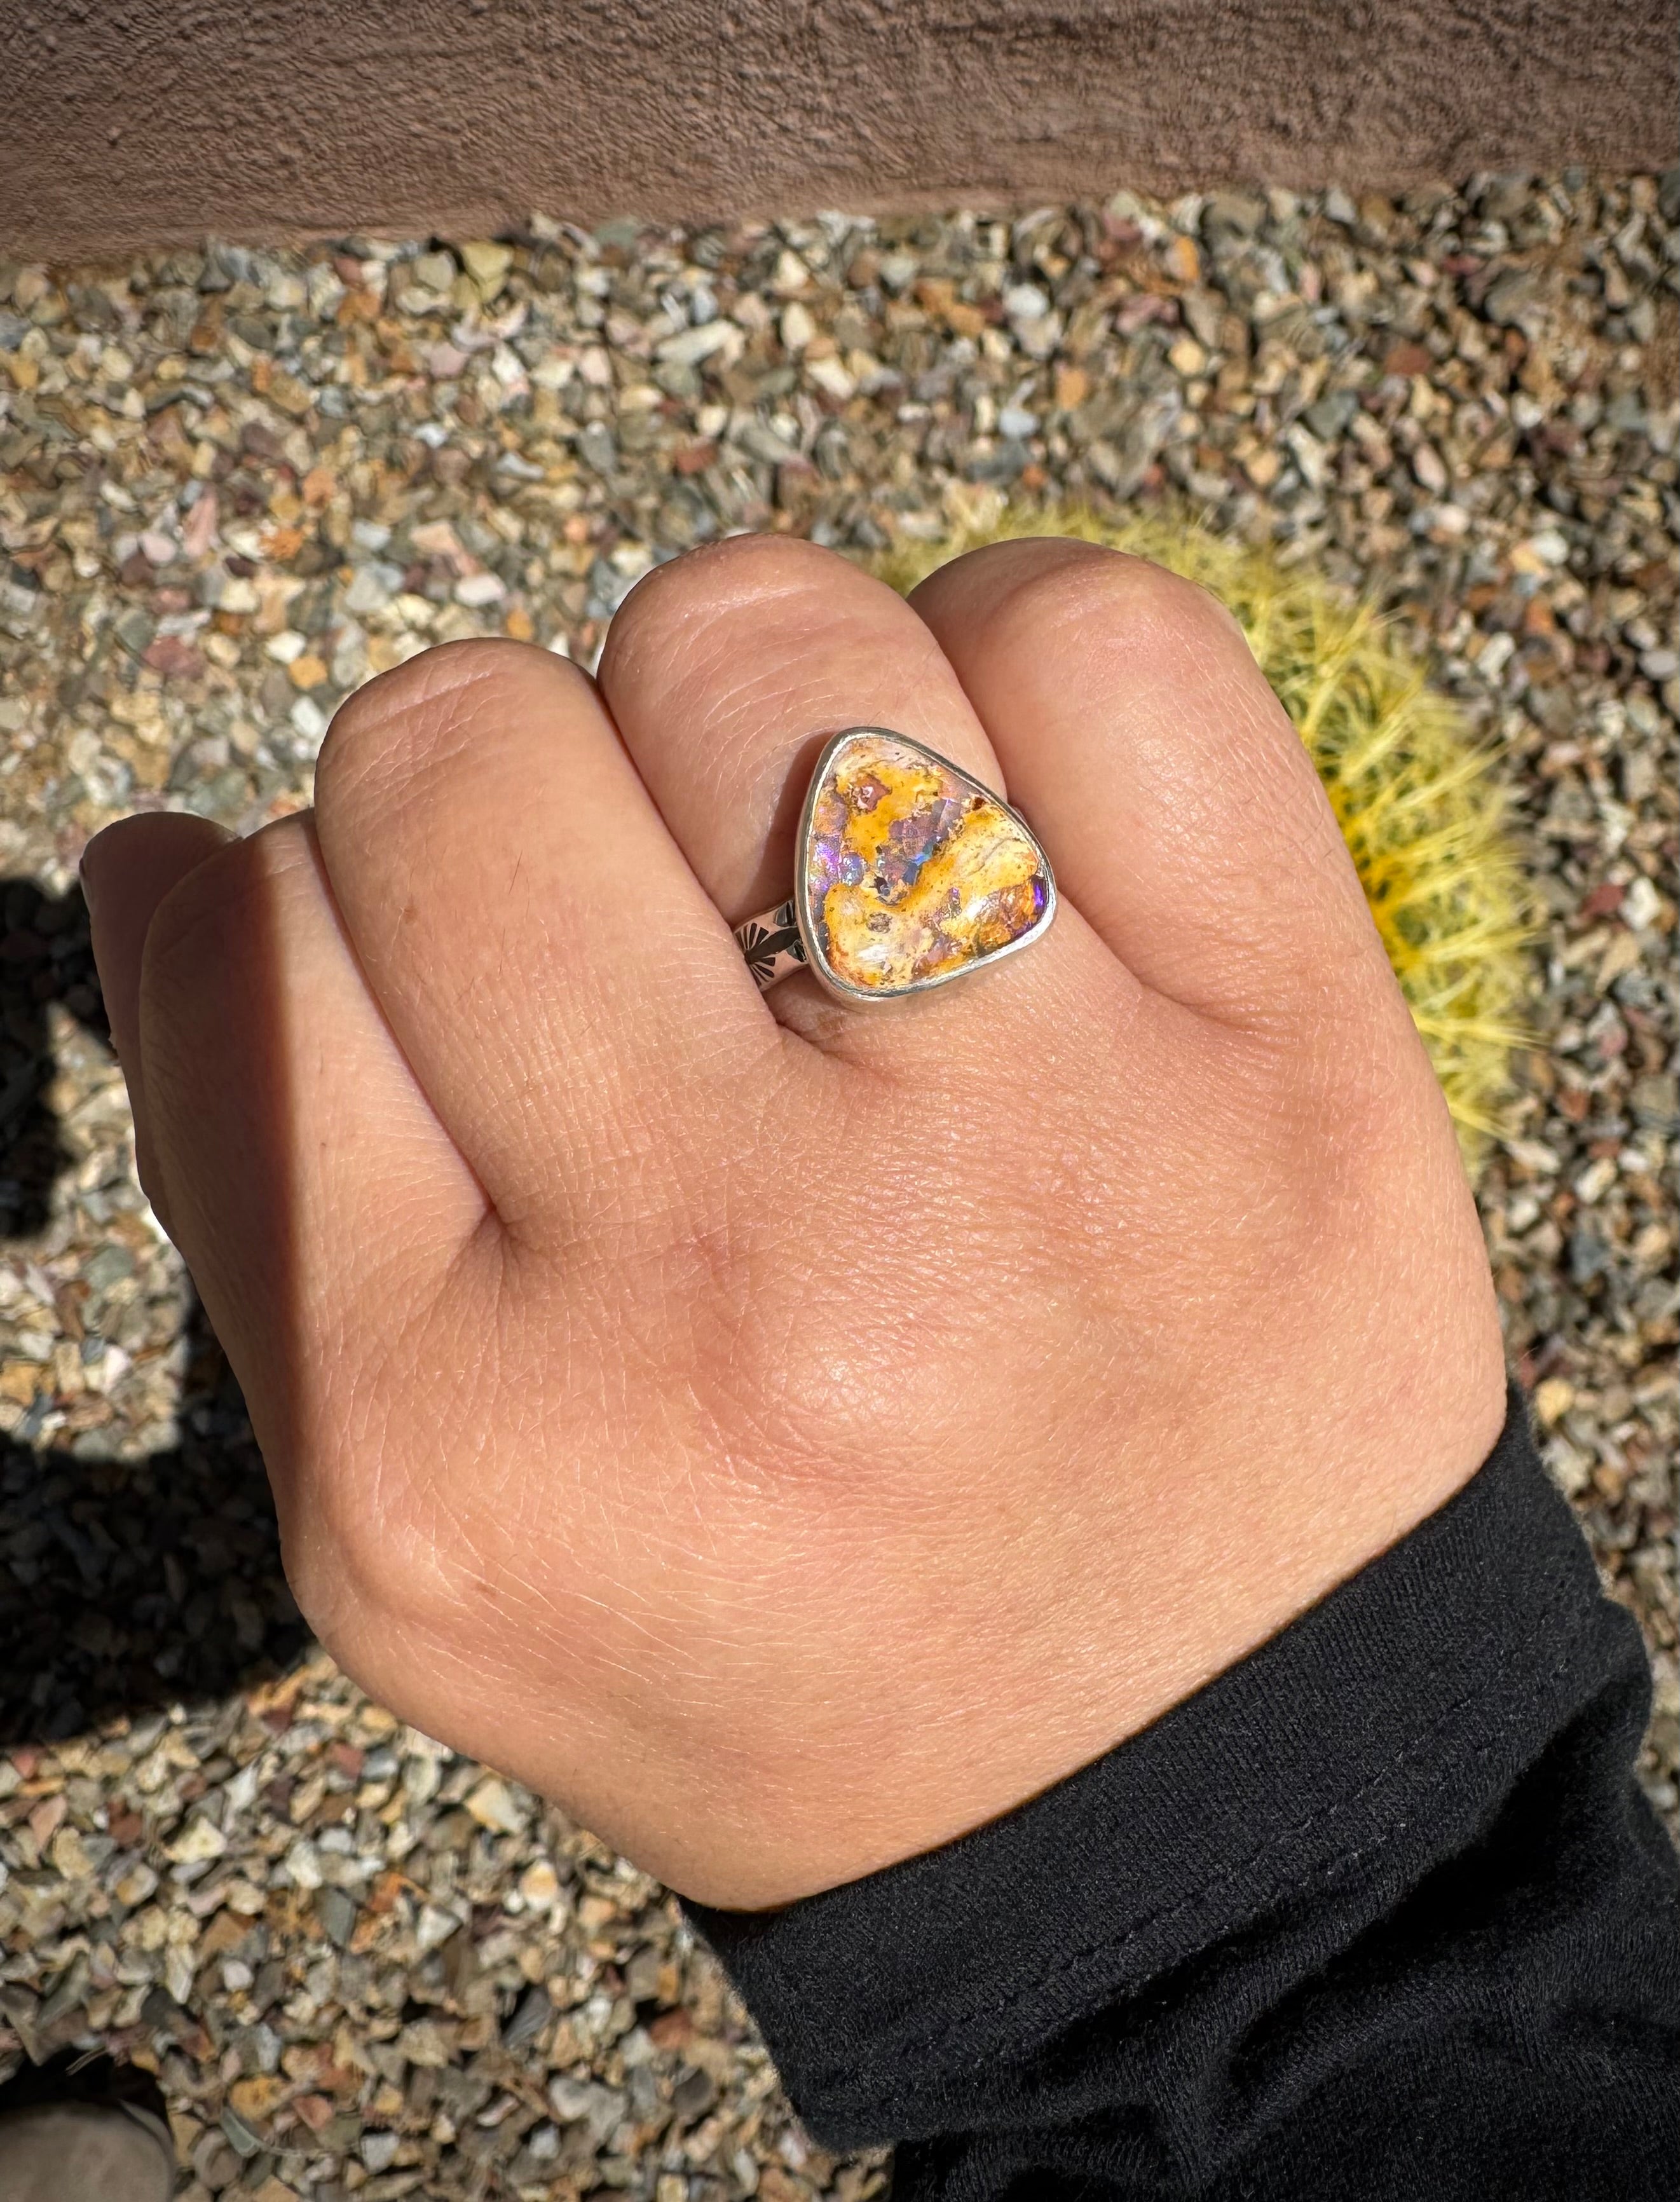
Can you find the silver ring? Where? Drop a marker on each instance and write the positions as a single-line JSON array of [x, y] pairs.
[[907, 874]]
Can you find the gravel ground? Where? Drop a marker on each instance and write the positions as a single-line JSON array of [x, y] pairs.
[[232, 486]]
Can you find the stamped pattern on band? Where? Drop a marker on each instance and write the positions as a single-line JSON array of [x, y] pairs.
[[772, 946]]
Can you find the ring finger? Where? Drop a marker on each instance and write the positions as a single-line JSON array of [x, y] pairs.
[[725, 671]]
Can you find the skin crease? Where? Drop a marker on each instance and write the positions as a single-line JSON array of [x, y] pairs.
[[789, 1434]]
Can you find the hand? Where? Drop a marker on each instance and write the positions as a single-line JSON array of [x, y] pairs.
[[789, 1433]]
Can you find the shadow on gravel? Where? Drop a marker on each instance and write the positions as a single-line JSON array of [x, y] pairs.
[[124, 1584]]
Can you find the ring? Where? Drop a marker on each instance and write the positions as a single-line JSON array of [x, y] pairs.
[[908, 873]]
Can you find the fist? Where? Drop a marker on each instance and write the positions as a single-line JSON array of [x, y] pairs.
[[789, 1432]]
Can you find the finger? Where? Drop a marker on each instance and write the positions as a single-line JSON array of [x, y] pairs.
[[724, 672], [315, 1196], [552, 968], [1180, 807], [125, 872]]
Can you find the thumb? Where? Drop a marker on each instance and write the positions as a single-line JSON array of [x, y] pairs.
[[125, 872]]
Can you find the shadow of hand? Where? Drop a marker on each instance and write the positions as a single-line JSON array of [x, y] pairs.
[[124, 1584]]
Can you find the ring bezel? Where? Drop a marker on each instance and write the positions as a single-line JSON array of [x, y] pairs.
[[817, 963]]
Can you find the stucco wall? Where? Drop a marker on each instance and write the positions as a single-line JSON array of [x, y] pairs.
[[131, 121]]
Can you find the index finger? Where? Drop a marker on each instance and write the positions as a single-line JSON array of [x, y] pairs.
[[557, 977]]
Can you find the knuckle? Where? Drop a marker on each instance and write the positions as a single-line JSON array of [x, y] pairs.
[[413, 721], [355, 1549], [1351, 1118], [220, 901], [195, 913], [717, 578], [1086, 592], [314, 1576]]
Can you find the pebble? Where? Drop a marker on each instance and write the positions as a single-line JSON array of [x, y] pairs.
[[488, 264], [236, 483]]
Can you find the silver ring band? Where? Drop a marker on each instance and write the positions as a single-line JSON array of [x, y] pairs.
[[772, 946]]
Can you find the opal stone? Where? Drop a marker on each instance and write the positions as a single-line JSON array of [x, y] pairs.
[[912, 871]]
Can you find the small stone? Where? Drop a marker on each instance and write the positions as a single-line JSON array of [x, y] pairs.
[[1072, 387], [1655, 1100], [436, 271], [1595, 1181], [1183, 260], [1237, 212], [255, 2099], [135, 1886], [530, 2015], [832, 378], [539, 1885], [1407, 358], [66, 1994], [69, 1854], [488, 266], [175, 657], [693, 2095], [424, 2042], [240, 2138], [105, 1267], [573, 2101], [19, 1380], [200, 1841], [477, 590], [1329, 417], [336, 1910], [433, 1927], [200, 531], [1512, 296], [1427, 465], [372, 588], [1552, 1400], [303, 1864], [292, 395], [377, 2151], [689, 347], [596, 448], [494, 1805], [309, 721]]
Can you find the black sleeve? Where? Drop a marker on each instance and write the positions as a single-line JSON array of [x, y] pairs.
[[1379, 1912]]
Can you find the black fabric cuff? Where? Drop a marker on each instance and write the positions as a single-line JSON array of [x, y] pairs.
[[1399, 1710]]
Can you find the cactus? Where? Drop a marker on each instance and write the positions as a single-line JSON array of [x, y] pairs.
[[1418, 798]]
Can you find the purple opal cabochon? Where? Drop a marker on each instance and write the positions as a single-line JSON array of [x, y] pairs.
[[910, 873]]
